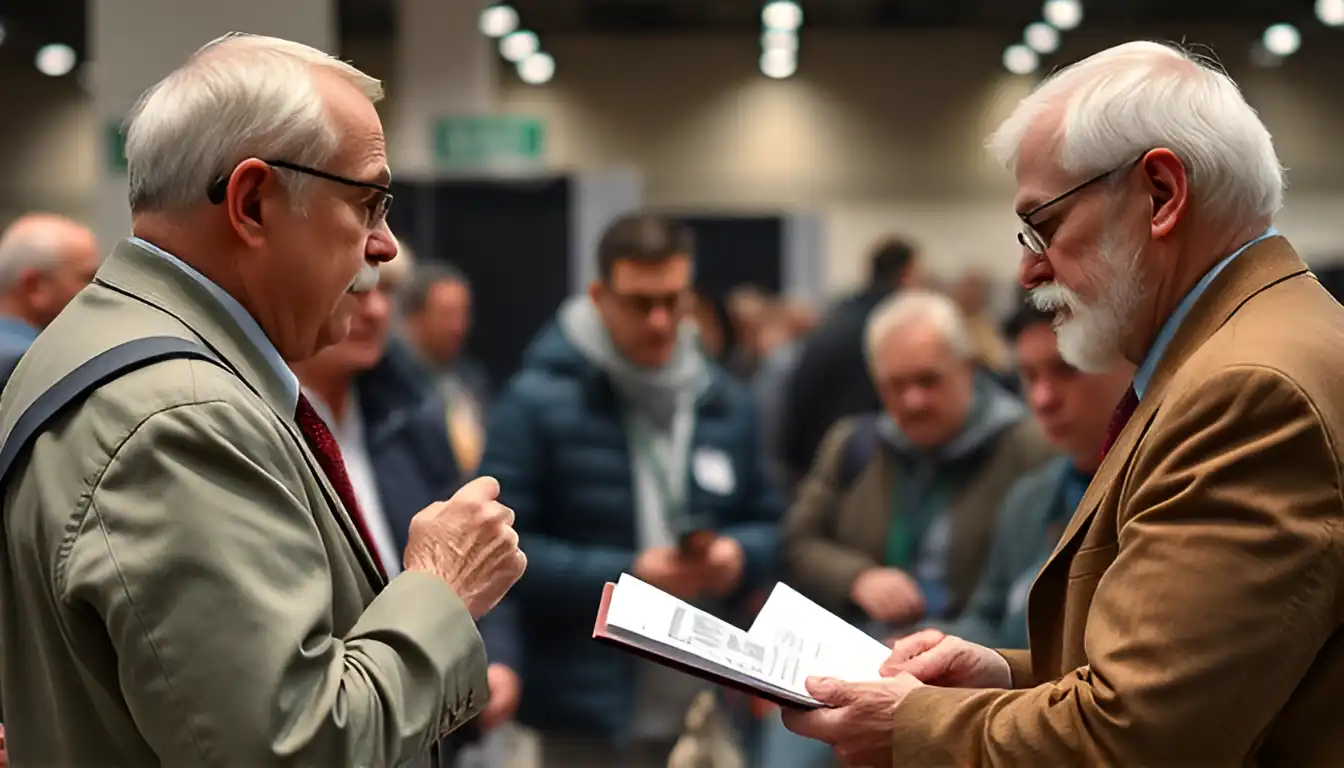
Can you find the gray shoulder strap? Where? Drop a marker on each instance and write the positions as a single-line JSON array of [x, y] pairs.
[[89, 376]]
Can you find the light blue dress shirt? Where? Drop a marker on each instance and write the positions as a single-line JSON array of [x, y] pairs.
[[1144, 375], [240, 316]]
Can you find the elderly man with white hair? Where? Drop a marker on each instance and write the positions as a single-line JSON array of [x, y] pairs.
[[45, 259], [186, 577], [1191, 613]]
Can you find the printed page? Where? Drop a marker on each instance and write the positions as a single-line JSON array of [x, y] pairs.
[[790, 620], [686, 633]]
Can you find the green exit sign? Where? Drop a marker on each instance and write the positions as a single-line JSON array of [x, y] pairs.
[[483, 141], [114, 148]]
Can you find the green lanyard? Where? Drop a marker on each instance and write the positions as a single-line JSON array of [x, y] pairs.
[[911, 516]]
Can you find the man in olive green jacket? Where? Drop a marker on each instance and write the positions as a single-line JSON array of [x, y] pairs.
[[184, 579]]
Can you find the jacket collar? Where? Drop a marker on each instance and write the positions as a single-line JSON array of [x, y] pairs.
[[137, 272], [1262, 266]]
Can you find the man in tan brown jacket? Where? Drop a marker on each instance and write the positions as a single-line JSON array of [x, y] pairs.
[[1190, 614]]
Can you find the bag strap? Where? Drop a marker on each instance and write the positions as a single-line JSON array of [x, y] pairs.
[[89, 376], [858, 450]]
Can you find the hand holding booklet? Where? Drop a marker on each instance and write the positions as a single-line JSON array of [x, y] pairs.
[[791, 639]]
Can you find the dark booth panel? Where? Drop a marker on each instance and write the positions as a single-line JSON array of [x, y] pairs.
[[513, 241], [731, 251], [1332, 277]]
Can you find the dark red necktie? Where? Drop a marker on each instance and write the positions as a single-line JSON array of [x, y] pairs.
[[1120, 418], [328, 453]]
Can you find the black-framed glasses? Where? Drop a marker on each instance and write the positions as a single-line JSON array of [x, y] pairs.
[[644, 304], [1031, 237], [377, 206]]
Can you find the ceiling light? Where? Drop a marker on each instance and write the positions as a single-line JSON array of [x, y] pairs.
[[1020, 60], [537, 68], [1330, 12], [517, 46], [779, 39], [55, 59], [778, 63], [1063, 14], [498, 20], [1041, 38], [1282, 39], [782, 14]]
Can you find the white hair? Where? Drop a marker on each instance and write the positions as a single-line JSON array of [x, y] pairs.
[[37, 242], [237, 97], [918, 307], [1126, 100]]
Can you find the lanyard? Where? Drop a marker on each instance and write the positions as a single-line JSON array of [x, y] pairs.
[[670, 475]]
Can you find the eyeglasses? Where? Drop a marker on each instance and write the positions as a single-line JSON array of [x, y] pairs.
[[644, 304], [377, 206], [1031, 237]]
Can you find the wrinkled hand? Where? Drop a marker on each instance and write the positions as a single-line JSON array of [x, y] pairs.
[[888, 595], [857, 719], [469, 542], [723, 564], [950, 662], [506, 690], [666, 569]]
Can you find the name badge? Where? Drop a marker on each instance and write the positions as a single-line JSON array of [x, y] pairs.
[[713, 471]]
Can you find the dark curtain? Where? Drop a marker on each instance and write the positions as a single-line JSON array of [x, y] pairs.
[[736, 250], [511, 238]]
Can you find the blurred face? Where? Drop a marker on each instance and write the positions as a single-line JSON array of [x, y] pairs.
[[643, 304], [49, 292], [363, 346], [305, 270], [1072, 407], [444, 322], [1092, 272], [971, 294], [925, 387]]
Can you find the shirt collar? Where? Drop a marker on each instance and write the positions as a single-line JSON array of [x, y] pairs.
[[1144, 375], [240, 315]]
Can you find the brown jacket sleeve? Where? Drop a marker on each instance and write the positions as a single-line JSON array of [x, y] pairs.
[[1223, 590], [814, 561]]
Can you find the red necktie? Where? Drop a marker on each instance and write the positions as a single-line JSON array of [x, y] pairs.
[[1120, 418], [328, 453]]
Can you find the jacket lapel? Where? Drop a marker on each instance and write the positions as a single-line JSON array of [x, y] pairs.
[[1261, 266], [149, 278]]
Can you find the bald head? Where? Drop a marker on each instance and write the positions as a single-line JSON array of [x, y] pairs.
[[45, 259]]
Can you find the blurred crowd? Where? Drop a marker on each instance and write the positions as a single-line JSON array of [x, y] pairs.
[[904, 456]]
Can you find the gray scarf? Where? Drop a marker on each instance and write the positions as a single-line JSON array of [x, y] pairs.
[[653, 392]]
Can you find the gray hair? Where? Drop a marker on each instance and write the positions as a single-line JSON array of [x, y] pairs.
[[1117, 104], [237, 97], [35, 241], [415, 294], [917, 307]]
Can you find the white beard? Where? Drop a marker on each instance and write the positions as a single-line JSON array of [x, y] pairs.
[[1089, 338]]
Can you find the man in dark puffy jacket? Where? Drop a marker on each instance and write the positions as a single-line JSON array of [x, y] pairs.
[[615, 442]]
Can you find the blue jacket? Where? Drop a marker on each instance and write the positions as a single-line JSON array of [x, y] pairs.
[[406, 430], [558, 448]]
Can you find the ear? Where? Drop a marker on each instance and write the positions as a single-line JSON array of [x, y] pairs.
[[30, 281], [595, 290], [1165, 182], [248, 186]]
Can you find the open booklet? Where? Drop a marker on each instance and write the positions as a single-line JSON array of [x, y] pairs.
[[791, 639]]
